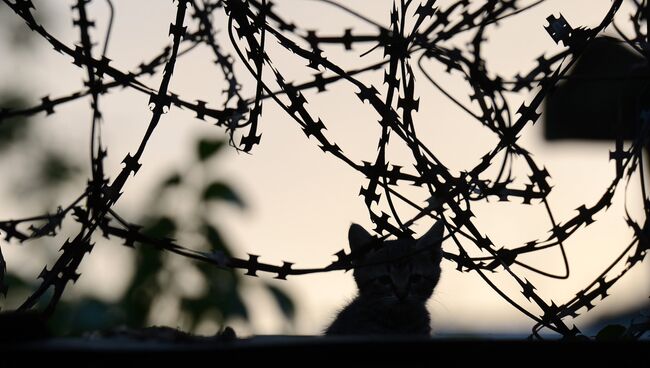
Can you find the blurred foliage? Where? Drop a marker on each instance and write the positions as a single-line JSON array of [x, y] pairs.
[[611, 332], [14, 31], [56, 169], [220, 300], [626, 326], [208, 147], [221, 191], [12, 130]]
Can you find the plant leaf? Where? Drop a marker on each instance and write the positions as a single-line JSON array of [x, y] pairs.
[[222, 191], [611, 332], [172, 180], [3, 270], [213, 236], [160, 227], [206, 148], [283, 300], [56, 169], [14, 130]]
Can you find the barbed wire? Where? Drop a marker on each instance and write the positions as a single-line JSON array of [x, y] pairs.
[[422, 32]]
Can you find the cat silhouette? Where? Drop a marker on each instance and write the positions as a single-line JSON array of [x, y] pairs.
[[394, 283]]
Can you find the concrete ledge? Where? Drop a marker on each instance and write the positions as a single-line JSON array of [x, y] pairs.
[[306, 351]]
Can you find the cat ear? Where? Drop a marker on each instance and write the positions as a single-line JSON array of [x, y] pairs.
[[433, 237], [358, 236]]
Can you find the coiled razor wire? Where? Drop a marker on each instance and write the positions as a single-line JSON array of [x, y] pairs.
[[417, 32]]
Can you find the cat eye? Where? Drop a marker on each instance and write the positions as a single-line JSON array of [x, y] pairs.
[[384, 280]]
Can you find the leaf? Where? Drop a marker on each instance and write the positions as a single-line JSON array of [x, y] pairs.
[[196, 306], [236, 306], [3, 270], [144, 287], [56, 169], [16, 129], [160, 227], [74, 318], [611, 332], [229, 302], [172, 180], [206, 148], [222, 191], [213, 236], [284, 301]]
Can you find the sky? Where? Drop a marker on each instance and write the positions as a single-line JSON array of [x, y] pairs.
[[303, 201]]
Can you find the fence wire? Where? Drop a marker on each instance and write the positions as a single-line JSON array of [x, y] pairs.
[[416, 33]]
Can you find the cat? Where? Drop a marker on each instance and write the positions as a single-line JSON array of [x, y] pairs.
[[392, 296]]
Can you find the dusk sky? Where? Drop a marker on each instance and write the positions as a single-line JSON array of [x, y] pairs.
[[303, 201]]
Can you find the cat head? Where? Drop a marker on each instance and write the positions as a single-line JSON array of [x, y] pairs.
[[404, 270]]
